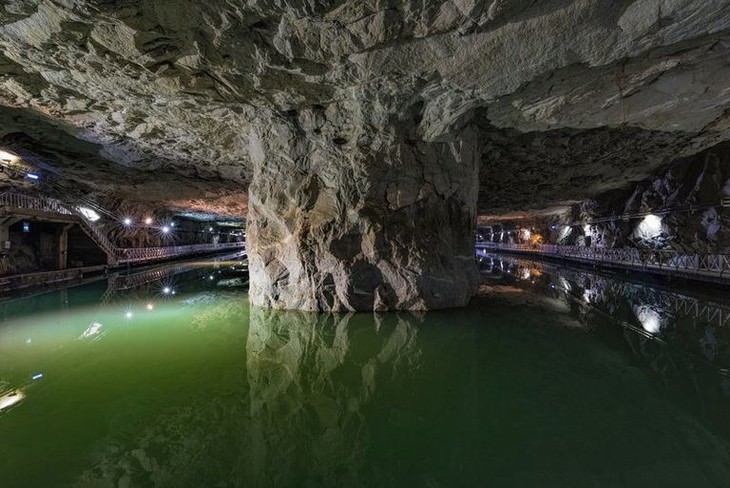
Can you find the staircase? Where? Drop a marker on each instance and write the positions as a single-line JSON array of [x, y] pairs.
[[99, 239], [11, 202], [18, 202]]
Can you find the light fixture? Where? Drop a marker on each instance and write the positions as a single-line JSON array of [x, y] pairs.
[[210, 229], [172, 224], [148, 221], [166, 290], [165, 229], [33, 176], [150, 306], [650, 227], [127, 221], [89, 214], [129, 314], [8, 157]]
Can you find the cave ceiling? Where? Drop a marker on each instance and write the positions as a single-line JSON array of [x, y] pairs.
[[156, 100]]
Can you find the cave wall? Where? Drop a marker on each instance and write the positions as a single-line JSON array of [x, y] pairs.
[[679, 208], [322, 108]]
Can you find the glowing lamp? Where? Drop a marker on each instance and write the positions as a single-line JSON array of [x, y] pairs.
[[651, 226], [89, 214], [165, 229], [127, 221], [8, 157], [148, 221]]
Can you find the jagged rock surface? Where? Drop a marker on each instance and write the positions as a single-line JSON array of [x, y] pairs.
[[361, 227], [179, 100]]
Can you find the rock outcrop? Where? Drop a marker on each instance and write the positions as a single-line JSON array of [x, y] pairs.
[[378, 221]]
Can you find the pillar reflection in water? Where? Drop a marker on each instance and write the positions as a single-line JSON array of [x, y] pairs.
[[311, 377]]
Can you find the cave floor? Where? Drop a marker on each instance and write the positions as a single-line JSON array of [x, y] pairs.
[[551, 377]]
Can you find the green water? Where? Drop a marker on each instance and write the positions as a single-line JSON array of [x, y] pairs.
[[148, 389]]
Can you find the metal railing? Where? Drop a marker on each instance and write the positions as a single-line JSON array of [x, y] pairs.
[[647, 259], [21, 201], [115, 255], [97, 236], [135, 254]]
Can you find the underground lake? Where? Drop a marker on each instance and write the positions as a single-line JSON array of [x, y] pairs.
[[553, 376]]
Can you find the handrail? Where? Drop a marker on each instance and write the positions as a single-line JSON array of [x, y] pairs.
[[115, 254], [132, 254], [716, 264], [19, 200]]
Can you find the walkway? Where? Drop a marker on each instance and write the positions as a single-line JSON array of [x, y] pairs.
[[16, 204], [705, 267]]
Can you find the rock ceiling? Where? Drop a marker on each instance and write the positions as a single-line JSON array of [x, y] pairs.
[[157, 99]]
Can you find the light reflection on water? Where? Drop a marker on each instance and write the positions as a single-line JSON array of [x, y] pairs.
[[554, 377]]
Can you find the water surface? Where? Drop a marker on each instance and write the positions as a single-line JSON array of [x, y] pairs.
[[553, 377]]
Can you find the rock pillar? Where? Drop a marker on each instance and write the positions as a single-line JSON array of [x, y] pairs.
[[361, 222]]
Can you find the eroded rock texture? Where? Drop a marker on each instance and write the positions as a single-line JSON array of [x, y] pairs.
[[354, 122], [363, 224]]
